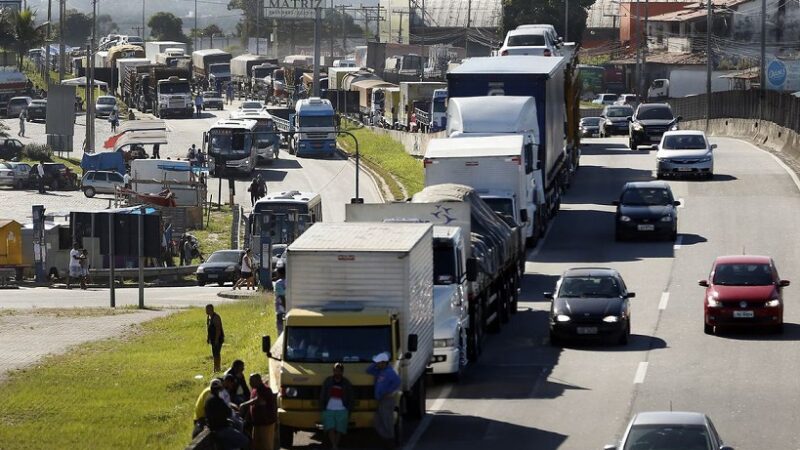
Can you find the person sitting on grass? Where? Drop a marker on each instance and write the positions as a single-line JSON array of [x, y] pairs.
[[218, 413]]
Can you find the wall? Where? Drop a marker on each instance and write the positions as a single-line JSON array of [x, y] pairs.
[[415, 143]]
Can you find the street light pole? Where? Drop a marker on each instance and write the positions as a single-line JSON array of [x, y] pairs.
[[763, 59], [196, 31], [708, 63], [62, 59], [357, 198], [144, 29]]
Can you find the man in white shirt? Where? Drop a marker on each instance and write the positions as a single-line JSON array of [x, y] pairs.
[[127, 180], [74, 264]]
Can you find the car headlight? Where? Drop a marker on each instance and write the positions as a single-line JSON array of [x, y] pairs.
[[637, 126], [608, 122], [563, 318], [230, 268], [442, 343], [713, 302], [624, 219], [611, 319], [704, 159], [200, 269], [666, 218], [773, 303]]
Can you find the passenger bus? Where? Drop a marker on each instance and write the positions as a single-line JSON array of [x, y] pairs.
[[268, 141], [231, 146]]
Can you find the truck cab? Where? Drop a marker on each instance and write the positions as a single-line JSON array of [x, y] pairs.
[[659, 88], [314, 127], [219, 73]]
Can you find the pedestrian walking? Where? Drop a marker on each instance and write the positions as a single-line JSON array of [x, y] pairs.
[[201, 158], [216, 335], [262, 187], [74, 265], [84, 260], [387, 382], [156, 151], [198, 104], [253, 190], [230, 93], [23, 117], [40, 172], [336, 401], [126, 179], [113, 118], [263, 413], [246, 272], [192, 155], [280, 298]]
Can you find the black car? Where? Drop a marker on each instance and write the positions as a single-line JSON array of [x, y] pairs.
[[590, 126], [221, 266], [10, 148], [646, 208], [37, 110], [615, 120], [649, 123], [590, 302], [56, 176]]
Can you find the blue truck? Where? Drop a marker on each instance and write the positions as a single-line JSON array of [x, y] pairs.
[[310, 126]]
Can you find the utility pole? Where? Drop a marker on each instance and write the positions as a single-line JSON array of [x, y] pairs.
[[62, 59], [400, 27], [330, 32], [344, 30], [466, 31], [638, 67], [566, 20], [137, 30], [423, 34], [90, 83], [645, 45], [47, 44], [709, 22], [258, 27], [317, 49], [144, 25], [763, 74], [196, 31]]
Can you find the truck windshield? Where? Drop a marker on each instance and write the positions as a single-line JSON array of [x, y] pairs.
[[444, 265], [500, 205], [330, 344], [316, 121], [175, 88], [232, 143], [219, 69], [260, 73]]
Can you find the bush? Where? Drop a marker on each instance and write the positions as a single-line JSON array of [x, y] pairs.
[[38, 152]]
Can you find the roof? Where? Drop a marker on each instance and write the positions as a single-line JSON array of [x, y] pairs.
[[370, 84], [148, 137], [697, 10], [742, 259], [669, 418], [590, 272], [665, 58], [453, 14], [250, 114], [491, 115], [685, 133], [475, 147], [235, 123], [5, 222], [510, 64], [288, 196], [361, 237], [647, 184]]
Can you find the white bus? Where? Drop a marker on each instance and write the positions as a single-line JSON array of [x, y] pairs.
[[267, 137], [231, 146]]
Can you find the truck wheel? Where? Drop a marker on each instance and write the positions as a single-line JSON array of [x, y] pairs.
[[286, 436], [415, 402]]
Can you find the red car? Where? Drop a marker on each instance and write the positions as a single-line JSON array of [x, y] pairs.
[[743, 291]]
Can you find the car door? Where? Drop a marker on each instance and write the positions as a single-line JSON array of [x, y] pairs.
[[100, 183], [115, 180]]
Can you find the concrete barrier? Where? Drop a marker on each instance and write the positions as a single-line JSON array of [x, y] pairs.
[[149, 272], [765, 134], [415, 144]]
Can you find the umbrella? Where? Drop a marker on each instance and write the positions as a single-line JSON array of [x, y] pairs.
[[81, 81]]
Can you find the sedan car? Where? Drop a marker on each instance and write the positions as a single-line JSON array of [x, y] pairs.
[[220, 267], [590, 302], [743, 291], [646, 208], [16, 105], [213, 99], [605, 99], [251, 105], [670, 430], [529, 41], [685, 152], [10, 148], [590, 126], [101, 182], [21, 172], [37, 110], [105, 104], [278, 256], [615, 120]]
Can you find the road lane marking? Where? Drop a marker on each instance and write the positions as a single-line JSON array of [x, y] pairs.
[[426, 422], [683, 203], [678, 242], [662, 305], [641, 372]]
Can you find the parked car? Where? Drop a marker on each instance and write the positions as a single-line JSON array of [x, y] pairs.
[[10, 148], [37, 110], [57, 177], [649, 123], [590, 126], [590, 303], [101, 182], [6, 176], [222, 266], [20, 170], [605, 99], [529, 41], [627, 99], [646, 208], [685, 152], [213, 99], [615, 120], [105, 104], [16, 105], [743, 291], [670, 430]]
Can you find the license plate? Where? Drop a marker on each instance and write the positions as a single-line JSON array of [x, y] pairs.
[[743, 314], [212, 276], [587, 330], [648, 227], [684, 169]]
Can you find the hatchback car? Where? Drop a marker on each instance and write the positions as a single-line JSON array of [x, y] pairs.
[[590, 302], [685, 152], [649, 123], [16, 105], [670, 430], [21, 172], [627, 99], [590, 126], [222, 266], [101, 182], [105, 104], [615, 120], [743, 291], [529, 41], [213, 99], [605, 99], [37, 110], [646, 208]]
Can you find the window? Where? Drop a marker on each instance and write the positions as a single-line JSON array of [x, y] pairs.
[[526, 40], [444, 265], [590, 286], [330, 344], [316, 121], [646, 197], [684, 142], [743, 275], [668, 437], [106, 101], [655, 113], [619, 112], [115, 177], [90, 176], [100, 176]]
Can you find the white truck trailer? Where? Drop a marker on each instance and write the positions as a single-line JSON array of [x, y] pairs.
[[153, 48]]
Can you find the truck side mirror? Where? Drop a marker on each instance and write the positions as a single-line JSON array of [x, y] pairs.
[[523, 215], [472, 269], [266, 344], [413, 342]]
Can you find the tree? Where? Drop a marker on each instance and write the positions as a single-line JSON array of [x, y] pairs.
[[77, 27], [520, 12], [25, 32], [166, 26], [212, 29]]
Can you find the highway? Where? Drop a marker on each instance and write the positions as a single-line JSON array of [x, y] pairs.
[[526, 394]]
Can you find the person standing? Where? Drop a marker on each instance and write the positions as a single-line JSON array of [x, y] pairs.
[[126, 179], [253, 190], [387, 382], [40, 172], [336, 400], [84, 261], [188, 251], [280, 299], [246, 272], [262, 187], [198, 103], [113, 118], [156, 151], [263, 409], [230, 93], [216, 335], [23, 116], [74, 265]]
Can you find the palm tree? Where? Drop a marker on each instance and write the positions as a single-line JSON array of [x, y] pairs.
[[25, 32]]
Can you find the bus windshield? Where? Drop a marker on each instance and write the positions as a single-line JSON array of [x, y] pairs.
[[283, 224], [232, 143]]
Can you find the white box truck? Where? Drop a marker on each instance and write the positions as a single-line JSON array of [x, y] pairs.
[[354, 290], [153, 48]]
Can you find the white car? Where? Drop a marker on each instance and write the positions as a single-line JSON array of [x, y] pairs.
[[685, 152], [605, 99], [251, 105], [529, 41], [6, 177]]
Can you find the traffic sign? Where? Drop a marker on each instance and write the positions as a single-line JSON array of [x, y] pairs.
[[292, 9]]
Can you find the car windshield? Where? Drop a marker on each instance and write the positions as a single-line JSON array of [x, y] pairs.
[[589, 286], [668, 437], [646, 197], [175, 88], [316, 121], [657, 113], [684, 142], [224, 257], [743, 275], [18, 101], [330, 344], [252, 105], [526, 40], [592, 121], [106, 101], [619, 112], [501, 205]]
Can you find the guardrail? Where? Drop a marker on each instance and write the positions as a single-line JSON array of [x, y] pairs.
[[149, 272]]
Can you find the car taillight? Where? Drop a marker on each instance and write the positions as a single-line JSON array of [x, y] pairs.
[[547, 52], [504, 53]]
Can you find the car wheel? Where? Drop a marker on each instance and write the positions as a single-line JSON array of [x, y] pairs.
[[626, 334], [201, 283], [220, 283], [708, 329], [89, 192]]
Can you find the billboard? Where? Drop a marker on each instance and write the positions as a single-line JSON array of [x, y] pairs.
[[783, 74], [292, 9]]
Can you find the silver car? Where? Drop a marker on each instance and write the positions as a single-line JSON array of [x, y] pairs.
[[670, 430], [6, 177], [21, 172], [685, 152], [101, 182], [105, 104], [17, 104]]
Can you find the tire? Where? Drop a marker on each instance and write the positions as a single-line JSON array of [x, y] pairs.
[[220, 283], [709, 176], [201, 283], [708, 329], [624, 338], [674, 236], [286, 436], [89, 192], [475, 335], [494, 327], [555, 340]]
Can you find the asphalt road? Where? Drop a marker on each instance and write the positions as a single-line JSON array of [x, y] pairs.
[[526, 394]]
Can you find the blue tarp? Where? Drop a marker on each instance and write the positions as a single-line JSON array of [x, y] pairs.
[[103, 161]]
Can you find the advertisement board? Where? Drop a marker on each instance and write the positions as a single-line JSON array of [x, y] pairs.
[[783, 74]]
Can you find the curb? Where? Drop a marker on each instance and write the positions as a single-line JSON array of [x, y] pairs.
[[241, 295]]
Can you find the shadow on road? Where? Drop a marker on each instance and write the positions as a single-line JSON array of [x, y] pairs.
[[722, 177], [791, 332], [535, 284], [602, 185], [691, 239], [636, 343], [599, 148]]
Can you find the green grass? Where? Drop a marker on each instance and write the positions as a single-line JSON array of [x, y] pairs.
[[217, 235], [129, 393], [37, 79], [73, 164], [387, 158]]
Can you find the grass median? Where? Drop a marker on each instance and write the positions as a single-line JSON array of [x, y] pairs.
[[136, 391], [387, 158]]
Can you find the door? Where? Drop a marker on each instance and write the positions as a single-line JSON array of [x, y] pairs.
[[101, 182]]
